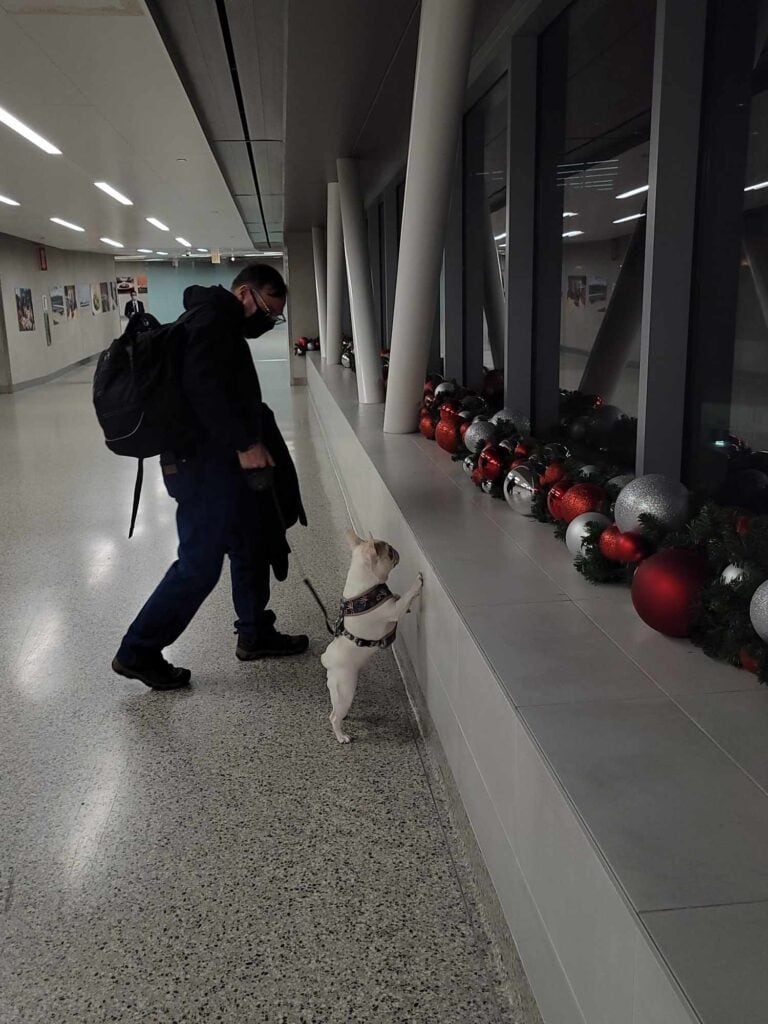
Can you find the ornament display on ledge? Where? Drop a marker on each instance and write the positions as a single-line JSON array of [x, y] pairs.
[[707, 585]]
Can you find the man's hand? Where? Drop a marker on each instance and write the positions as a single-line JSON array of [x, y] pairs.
[[255, 457]]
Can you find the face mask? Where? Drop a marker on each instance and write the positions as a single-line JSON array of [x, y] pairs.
[[257, 324]]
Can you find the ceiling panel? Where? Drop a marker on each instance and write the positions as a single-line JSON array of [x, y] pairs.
[[258, 38], [103, 89], [234, 162]]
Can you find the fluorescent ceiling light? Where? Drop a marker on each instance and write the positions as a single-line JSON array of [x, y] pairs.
[[572, 234], [202, 250], [754, 188], [569, 213], [67, 224], [635, 216], [157, 223], [502, 235], [8, 202], [145, 250], [111, 241], [633, 192], [31, 136], [183, 241], [158, 253], [113, 192]]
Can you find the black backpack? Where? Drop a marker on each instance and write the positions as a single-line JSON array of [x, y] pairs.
[[138, 397]]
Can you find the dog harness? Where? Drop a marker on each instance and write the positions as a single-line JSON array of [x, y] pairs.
[[359, 606]]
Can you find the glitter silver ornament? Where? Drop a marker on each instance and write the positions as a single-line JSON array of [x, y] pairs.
[[512, 418], [520, 487], [618, 482], [654, 494], [478, 434], [446, 388], [468, 465], [576, 533], [758, 611]]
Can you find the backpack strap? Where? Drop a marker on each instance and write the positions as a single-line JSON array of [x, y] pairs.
[[136, 495]]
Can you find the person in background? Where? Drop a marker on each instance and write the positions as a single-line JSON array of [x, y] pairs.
[[133, 305], [216, 512]]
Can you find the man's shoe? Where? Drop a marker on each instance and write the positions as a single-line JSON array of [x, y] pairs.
[[155, 672], [271, 645]]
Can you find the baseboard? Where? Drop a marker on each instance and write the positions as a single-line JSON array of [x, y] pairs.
[[9, 389]]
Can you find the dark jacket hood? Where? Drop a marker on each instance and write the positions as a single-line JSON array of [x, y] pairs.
[[218, 297]]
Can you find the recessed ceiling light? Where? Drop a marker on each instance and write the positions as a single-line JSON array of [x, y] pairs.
[[634, 216], [8, 202], [633, 192], [183, 241], [145, 250], [572, 234], [67, 224], [202, 250], [111, 241], [158, 253], [754, 188], [31, 136], [157, 223], [113, 192], [569, 213]]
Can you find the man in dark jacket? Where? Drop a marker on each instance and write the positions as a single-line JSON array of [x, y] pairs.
[[216, 512]]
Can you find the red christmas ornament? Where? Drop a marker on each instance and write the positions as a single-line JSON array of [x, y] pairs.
[[476, 476], [747, 662], [427, 426], [742, 525], [431, 383], [665, 588], [491, 462], [556, 495], [523, 450], [581, 498], [518, 462], [552, 474], [616, 546], [447, 432]]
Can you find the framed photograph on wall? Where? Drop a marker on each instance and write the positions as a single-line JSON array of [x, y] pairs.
[[95, 299], [104, 293], [25, 311], [57, 304], [70, 301]]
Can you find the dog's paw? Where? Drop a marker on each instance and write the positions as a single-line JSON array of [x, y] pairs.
[[343, 738]]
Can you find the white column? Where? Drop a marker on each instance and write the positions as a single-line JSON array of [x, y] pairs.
[[318, 250], [335, 272], [370, 386], [445, 38], [493, 292]]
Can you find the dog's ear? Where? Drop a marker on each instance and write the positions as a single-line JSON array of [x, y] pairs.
[[370, 555], [352, 539]]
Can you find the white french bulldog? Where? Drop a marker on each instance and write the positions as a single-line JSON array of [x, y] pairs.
[[368, 620]]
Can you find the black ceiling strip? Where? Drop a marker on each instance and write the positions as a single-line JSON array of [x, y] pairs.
[[227, 37]]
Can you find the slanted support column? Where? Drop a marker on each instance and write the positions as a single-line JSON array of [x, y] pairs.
[[335, 277], [321, 283], [370, 386], [445, 37]]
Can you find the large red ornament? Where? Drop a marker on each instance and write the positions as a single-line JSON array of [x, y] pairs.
[[492, 462], [666, 587], [556, 495], [523, 450], [742, 525], [427, 426], [552, 474], [476, 476], [748, 662], [447, 432], [616, 546], [581, 498]]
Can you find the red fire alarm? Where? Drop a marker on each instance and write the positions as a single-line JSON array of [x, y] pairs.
[[43, 258]]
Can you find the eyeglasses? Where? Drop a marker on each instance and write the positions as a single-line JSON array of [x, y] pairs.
[[275, 318]]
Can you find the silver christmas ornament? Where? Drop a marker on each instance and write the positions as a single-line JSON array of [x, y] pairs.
[[512, 418], [486, 486], [618, 482], [468, 465], [600, 421], [556, 452], [474, 404], [520, 487], [508, 444], [587, 472], [478, 434], [446, 388], [758, 611], [654, 494], [576, 533], [736, 573]]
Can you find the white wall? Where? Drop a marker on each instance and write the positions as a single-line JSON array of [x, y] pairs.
[[29, 357], [302, 296]]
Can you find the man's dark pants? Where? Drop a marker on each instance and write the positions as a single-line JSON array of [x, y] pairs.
[[215, 517]]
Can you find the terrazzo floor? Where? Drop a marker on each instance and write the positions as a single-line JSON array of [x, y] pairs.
[[210, 855]]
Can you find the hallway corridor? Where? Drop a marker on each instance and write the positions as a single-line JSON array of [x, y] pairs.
[[211, 854]]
